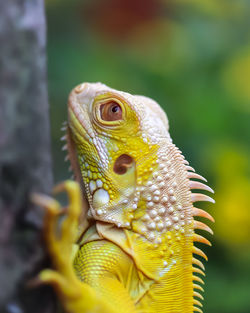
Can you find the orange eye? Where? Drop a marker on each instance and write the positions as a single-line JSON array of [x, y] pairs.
[[111, 111]]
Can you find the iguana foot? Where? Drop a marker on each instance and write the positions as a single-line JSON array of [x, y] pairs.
[[60, 239], [77, 297]]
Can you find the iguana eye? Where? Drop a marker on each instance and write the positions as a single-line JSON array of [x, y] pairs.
[[111, 111]]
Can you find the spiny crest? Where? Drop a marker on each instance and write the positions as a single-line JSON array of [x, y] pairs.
[[71, 156], [193, 184], [65, 145], [69, 148]]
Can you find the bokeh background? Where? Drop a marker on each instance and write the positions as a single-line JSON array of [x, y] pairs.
[[193, 57]]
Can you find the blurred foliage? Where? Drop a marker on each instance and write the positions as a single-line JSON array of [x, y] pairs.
[[232, 192], [193, 57]]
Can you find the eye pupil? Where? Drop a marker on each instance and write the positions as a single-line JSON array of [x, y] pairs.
[[115, 108]]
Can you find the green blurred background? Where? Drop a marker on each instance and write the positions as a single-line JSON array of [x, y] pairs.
[[193, 57]]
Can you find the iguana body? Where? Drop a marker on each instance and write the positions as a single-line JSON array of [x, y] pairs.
[[137, 232]]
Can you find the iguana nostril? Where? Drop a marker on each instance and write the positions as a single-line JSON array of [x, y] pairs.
[[123, 163]]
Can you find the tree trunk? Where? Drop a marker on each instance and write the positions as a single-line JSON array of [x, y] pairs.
[[25, 161]]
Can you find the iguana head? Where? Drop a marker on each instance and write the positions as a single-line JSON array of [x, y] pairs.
[[133, 175], [117, 137]]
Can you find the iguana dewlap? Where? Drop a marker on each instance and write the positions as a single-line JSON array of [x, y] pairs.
[[137, 234]]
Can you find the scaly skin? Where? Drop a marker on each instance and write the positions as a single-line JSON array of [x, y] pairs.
[[136, 231]]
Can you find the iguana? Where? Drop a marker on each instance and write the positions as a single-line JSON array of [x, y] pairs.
[[133, 217]]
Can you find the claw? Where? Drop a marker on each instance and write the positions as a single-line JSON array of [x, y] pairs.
[[74, 193], [34, 282], [47, 202], [54, 278]]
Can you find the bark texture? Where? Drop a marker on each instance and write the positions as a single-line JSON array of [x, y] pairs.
[[25, 161]]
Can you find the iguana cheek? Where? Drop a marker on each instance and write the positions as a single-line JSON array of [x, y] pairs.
[[100, 198]]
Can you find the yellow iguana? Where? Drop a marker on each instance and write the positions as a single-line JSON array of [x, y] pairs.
[[135, 233]]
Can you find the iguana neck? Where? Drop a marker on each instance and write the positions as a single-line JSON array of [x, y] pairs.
[[164, 204], [162, 223], [160, 234]]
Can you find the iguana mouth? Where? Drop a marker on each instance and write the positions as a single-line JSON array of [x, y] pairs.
[[76, 114]]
